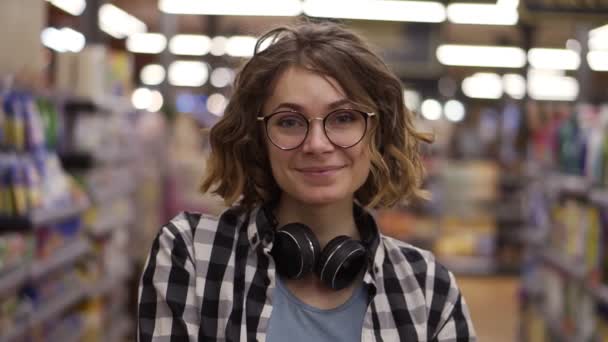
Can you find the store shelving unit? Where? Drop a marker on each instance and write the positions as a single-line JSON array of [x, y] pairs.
[[65, 256], [471, 265], [15, 276], [40, 218], [50, 311], [573, 272], [77, 282], [109, 179]]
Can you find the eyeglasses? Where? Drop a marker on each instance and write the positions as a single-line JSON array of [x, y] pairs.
[[288, 129]]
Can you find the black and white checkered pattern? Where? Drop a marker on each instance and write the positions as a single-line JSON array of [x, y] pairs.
[[210, 279]]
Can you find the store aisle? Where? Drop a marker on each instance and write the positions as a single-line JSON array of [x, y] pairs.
[[493, 303]]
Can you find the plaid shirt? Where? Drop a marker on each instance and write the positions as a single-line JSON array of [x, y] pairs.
[[210, 279]]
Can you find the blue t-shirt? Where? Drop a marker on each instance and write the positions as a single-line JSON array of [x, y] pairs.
[[295, 321]]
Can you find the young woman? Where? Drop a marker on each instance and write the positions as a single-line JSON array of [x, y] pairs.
[[315, 135]]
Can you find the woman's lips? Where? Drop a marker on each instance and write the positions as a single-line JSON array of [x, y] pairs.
[[320, 171]]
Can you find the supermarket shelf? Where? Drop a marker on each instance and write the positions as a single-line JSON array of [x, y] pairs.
[[567, 267], [118, 329], [599, 197], [102, 104], [41, 217], [13, 278], [54, 308], [578, 185], [556, 330], [74, 336], [474, 266], [50, 310], [600, 293], [16, 334], [106, 286], [78, 105], [106, 193], [107, 225], [65, 256], [77, 160], [572, 184]]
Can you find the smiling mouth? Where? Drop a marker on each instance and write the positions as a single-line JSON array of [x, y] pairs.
[[320, 170]]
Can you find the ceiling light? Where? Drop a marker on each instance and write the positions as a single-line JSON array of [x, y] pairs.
[[216, 103], [598, 60], [64, 40], [483, 85], [141, 98], [431, 109], [507, 3], [188, 73], [221, 77], [152, 74], [156, 101], [557, 59], [390, 10], [573, 45], [190, 44], [599, 31], [287, 8], [514, 85], [543, 85], [481, 56], [74, 40], [599, 42], [146, 43], [73, 7], [411, 99], [52, 38], [118, 23], [454, 110], [482, 14], [218, 45], [240, 46]]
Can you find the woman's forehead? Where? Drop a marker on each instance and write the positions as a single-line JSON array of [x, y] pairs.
[[299, 88]]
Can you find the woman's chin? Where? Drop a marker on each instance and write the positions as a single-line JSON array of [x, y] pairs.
[[320, 198]]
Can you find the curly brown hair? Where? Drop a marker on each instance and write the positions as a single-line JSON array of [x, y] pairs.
[[238, 164]]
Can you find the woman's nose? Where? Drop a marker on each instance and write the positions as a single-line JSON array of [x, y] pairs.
[[317, 140]]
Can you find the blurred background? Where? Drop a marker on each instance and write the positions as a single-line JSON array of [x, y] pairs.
[[103, 104]]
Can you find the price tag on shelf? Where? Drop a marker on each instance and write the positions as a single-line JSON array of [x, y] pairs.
[[599, 197]]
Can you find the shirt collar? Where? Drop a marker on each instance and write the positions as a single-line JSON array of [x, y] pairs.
[[262, 224]]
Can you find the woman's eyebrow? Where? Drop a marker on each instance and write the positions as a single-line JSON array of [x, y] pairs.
[[289, 105], [300, 108], [339, 103]]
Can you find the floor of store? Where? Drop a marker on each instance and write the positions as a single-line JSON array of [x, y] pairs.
[[493, 302]]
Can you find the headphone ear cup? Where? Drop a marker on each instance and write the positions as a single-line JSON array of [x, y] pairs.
[[340, 262], [295, 250]]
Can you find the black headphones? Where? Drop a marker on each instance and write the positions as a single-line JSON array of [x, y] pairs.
[[296, 252]]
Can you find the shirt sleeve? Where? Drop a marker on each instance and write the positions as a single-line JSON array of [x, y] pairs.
[[167, 309], [455, 324]]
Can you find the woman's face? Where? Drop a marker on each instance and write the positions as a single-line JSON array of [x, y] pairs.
[[317, 172]]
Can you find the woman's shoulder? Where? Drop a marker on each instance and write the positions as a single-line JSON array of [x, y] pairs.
[[421, 262], [412, 253], [195, 238], [189, 223]]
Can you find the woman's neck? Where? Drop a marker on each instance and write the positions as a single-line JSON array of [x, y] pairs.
[[326, 221]]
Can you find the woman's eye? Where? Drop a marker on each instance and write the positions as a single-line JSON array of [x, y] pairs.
[[345, 118], [289, 122]]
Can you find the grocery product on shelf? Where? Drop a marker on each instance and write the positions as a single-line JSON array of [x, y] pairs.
[[567, 211], [65, 208]]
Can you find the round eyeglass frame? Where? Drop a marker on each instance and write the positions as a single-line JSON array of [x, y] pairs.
[[265, 119]]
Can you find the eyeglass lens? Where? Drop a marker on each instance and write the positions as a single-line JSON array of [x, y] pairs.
[[343, 128]]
